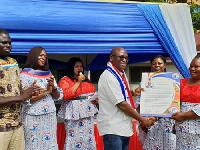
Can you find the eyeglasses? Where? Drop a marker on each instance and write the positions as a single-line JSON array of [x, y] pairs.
[[5, 42], [122, 57]]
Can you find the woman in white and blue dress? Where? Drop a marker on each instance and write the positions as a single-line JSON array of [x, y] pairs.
[[77, 109], [39, 113], [160, 136], [188, 120]]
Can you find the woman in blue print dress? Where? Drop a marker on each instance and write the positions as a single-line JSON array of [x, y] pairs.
[[39, 113], [188, 120], [77, 109], [160, 136]]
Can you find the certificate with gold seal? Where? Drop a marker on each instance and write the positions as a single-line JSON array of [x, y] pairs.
[[161, 95]]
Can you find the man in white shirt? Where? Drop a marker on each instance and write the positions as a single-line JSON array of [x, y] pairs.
[[116, 106]]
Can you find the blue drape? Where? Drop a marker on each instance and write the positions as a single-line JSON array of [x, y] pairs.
[[88, 27], [77, 27], [154, 16]]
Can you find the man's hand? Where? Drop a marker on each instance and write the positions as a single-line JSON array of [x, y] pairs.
[[146, 122], [144, 128], [27, 94], [154, 119]]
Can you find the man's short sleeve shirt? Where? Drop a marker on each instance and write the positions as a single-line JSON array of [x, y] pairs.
[[10, 118], [111, 120]]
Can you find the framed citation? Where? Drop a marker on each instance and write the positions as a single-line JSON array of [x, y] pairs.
[[161, 95]]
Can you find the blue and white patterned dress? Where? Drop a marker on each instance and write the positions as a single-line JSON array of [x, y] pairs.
[[39, 118], [188, 131], [79, 113], [159, 136]]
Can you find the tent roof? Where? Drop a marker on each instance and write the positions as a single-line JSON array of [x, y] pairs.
[[74, 27], [89, 27]]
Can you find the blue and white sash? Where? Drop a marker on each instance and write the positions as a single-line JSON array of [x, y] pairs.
[[125, 88]]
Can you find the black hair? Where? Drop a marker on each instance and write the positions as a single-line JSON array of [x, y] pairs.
[[161, 57], [197, 56], [70, 67], [32, 59]]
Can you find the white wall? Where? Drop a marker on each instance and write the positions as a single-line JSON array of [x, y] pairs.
[[170, 68]]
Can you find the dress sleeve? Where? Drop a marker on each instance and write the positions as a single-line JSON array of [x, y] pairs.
[[196, 109], [60, 90], [66, 85], [26, 81]]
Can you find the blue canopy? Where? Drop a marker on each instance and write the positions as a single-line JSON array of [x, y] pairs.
[[80, 27]]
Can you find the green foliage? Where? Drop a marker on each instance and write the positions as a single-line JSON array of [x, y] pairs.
[[194, 9], [195, 14], [158, 1]]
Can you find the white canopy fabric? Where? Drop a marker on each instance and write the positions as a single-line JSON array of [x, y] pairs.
[[180, 25]]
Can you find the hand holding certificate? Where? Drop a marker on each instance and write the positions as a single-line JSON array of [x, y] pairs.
[[161, 96]]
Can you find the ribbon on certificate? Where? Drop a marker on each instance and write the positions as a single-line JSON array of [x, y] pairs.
[[149, 81]]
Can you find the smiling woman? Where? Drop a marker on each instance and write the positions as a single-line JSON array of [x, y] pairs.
[[39, 113], [158, 64], [150, 138], [42, 58], [77, 109], [188, 120]]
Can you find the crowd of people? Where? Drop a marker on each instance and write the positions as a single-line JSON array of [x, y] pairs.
[[28, 113]]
